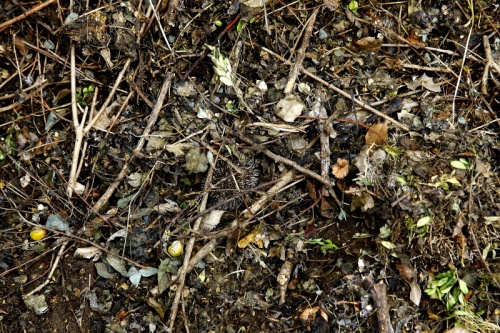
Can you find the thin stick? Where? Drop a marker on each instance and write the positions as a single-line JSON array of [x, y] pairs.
[[466, 48], [490, 62], [4, 25], [301, 53], [54, 266], [189, 250]]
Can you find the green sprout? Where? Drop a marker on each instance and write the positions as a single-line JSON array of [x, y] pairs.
[[326, 245], [8, 146], [353, 6], [83, 97], [461, 164], [448, 288]]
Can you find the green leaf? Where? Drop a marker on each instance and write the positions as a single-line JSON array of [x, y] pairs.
[[218, 23], [441, 282], [316, 241], [239, 26], [329, 246], [430, 291], [458, 165], [388, 245], [445, 290], [424, 221], [463, 286], [353, 6]]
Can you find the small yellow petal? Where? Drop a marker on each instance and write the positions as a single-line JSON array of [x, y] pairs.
[[37, 234]]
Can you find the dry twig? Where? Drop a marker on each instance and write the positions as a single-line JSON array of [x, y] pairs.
[[80, 129], [378, 293], [301, 53], [52, 270], [490, 62], [33, 10]]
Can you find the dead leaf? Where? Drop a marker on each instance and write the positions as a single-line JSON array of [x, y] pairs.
[[251, 238], [393, 63], [367, 44], [254, 3], [341, 169], [310, 313], [91, 252], [377, 134], [426, 82], [331, 5], [20, 46], [415, 39], [362, 200], [408, 273], [211, 220], [196, 162], [289, 108]]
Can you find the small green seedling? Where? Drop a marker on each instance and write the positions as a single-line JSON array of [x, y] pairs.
[[353, 6], [326, 245], [461, 164], [83, 97], [448, 288]]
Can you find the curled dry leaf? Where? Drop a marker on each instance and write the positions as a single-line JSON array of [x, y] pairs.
[[367, 44], [289, 108], [254, 3], [251, 238], [426, 82], [211, 220], [283, 278], [377, 134], [408, 273], [196, 161], [341, 169], [91, 252]]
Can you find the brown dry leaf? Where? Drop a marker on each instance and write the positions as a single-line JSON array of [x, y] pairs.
[[309, 314], [426, 82], [377, 134], [250, 238], [362, 200], [331, 5], [367, 44], [408, 273], [415, 39], [393, 63], [341, 169], [19, 43]]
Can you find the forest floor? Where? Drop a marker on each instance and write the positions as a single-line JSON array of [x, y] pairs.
[[255, 166]]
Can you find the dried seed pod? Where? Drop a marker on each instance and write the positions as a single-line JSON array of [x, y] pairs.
[[227, 183]]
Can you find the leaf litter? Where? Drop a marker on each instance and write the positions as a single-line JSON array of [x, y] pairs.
[[371, 126]]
